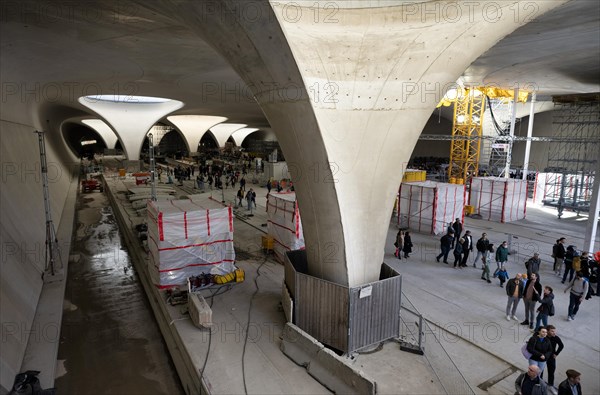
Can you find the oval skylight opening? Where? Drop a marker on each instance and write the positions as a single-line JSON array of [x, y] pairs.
[[126, 99]]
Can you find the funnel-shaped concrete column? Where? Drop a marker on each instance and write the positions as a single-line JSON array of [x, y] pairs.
[[193, 127], [107, 134], [241, 135], [131, 119], [224, 130], [348, 91]]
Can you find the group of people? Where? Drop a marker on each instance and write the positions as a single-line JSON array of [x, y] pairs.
[[544, 346], [403, 244]]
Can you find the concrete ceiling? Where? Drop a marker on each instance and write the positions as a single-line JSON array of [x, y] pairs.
[[54, 52]]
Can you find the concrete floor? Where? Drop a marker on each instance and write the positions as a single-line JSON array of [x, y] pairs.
[[110, 343], [469, 345]]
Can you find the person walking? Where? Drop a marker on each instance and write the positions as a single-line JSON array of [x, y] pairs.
[[540, 349], [458, 251], [407, 247], [240, 197], [557, 347], [530, 382], [531, 294], [502, 255], [481, 247], [457, 227], [249, 198], [502, 275], [558, 253], [579, 288], [399, 244], [445, 245], [569, 256], [572, 385], [467, 247], [514, 291], [546, 308], [485, 259]]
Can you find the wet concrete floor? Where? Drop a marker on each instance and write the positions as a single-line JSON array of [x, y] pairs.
[[110, 342]]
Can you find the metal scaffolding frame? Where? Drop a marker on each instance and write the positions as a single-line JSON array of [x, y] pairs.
[[573, 160], [496, 129], [466, 133]]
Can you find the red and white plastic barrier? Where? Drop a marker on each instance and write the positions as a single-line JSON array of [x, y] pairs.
[[429, 206], [499, 199], [283, 223], [187, 239]]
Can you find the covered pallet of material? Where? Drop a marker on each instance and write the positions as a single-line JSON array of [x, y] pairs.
[[499, 199], [284, 224], [187, 238], [429, 206]]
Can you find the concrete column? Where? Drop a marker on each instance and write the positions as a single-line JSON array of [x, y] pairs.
[[131, 120], [513, 121], [193, 127], [223, 131], [589, 240], [529, 135], [347, 92], [240, 135]]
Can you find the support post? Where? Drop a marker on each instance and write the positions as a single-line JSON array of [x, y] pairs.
[[592, 223], [513, 120], [152, 167], [529, 135]]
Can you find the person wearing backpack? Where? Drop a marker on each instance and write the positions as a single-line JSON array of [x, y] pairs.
[[579, 287], [569, 256], [546, 308]]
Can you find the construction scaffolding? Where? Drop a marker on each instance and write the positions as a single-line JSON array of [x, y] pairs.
[[573, 160], [467, 126], [496, 127]]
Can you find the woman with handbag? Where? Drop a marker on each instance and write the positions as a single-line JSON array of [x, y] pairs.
[[540, 349]]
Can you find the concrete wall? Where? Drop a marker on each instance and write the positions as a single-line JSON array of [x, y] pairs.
[[23, 236]]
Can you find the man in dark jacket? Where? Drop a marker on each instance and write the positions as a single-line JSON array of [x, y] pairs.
[[457, 227], [530, 383], [445, 246], [531, 294], [557, 347], [481, 246], [533, 265], [571, 384], [467, 247], [558, 253]]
